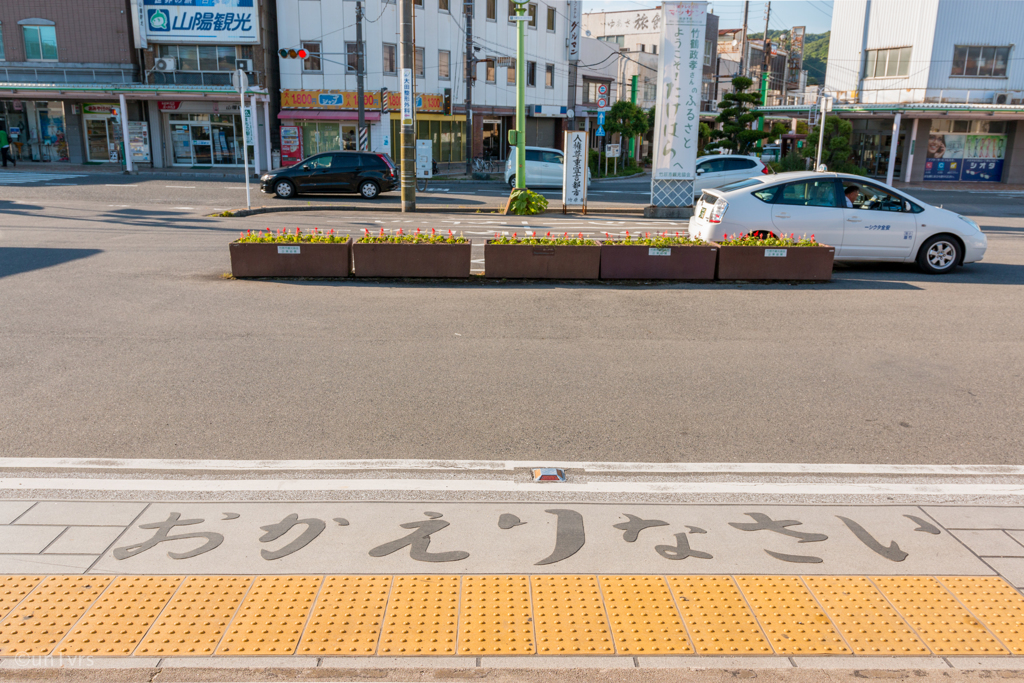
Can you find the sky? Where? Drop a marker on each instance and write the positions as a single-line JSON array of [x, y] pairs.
[[816, 15]]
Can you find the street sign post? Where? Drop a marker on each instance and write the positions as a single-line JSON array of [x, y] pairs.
[[241, 85]]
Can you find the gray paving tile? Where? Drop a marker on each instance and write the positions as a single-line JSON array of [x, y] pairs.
[[90, 540], [870, 663], [568, 662], [991, 543], [100, 513], [1012, 569], [964, 517], [17, 540], [987, 663], [10, 510], [269, 661], [1017, 535], [440, 662], [78, 662], [698, 662], [45, 564]]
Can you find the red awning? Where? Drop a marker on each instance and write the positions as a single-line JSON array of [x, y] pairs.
[[330, 114]]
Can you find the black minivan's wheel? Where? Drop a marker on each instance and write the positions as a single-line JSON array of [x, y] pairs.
[[368, 189], [939, 255], [284, 189]]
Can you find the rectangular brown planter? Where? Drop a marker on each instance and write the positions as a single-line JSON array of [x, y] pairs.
[[550, 262], [770, 263], [411, 260], [290, 259], [639, 262]]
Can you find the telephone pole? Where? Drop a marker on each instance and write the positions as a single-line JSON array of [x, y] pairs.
[[408, 65], [766, 48], [360, 143], [470, 73], [743, 41]]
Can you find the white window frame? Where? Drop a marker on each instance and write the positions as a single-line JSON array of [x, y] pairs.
[[552, 18], [447, 63], [421, 70], [1009, 52], [37, 24], [317, 53], [549, 69], [394, 58]]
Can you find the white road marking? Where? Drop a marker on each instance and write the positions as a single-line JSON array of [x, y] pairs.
[[122, 184], [182, 187], [772, 468], [183, 208], [17, 178], [757, 488]]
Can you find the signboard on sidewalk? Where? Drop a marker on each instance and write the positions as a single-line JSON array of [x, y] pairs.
[[218, 22], [574, 172], [680, 68], [424, 159]]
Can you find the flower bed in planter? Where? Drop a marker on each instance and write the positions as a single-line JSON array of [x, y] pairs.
[[747, 257], [416, 255], [551, 258], [661, 257], [284, 254]]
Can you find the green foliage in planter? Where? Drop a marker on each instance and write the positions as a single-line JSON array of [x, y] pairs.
[[648, 240], [282, 236], [528, 203], [547, 240], [418, 237], [762, 240]]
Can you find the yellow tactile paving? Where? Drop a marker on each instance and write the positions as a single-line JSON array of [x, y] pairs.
[[790, 617], [347, 617], [995, 603], [195, 619], [495, 616], [119, 619], [48, 613], [643, 616], [570, 616], [13, 590], [938, 618], [422, 616], [717, 616], [867, 621], [272, 617]]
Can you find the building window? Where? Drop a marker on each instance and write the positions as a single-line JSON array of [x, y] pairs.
[[312, 62], [551, 19], [492, 10], [549, 76], [650, 91], [618, 40], [590, 93], [418, 3], [444, 58], [389, 59], [510, 75], [420, 55], [975, 61], [489, 68], [2, 44], [40, 43], [531, 11], [351, 56], [889, 63], [206, 57], [531, 74], [654, 49], [511, 10], [710, 49], [442, 5]]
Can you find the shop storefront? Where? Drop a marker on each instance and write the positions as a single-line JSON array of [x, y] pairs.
[[204, 134], [446, 134], [13, 119], [103, 139]]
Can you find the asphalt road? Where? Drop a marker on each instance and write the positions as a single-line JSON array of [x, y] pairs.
[[121, 338]]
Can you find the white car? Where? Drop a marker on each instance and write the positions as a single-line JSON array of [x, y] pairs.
[[878, 223], [543, 167], [721, 169]]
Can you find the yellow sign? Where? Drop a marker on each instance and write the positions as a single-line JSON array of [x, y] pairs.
[[347, 99]]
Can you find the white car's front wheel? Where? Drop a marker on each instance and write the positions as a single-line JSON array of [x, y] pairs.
[[512, 182], [939, 255]]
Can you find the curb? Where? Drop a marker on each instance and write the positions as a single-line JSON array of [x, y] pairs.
[[618, 177], [243, 213]]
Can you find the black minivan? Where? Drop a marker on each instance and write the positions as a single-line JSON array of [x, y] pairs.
[[365, 173]]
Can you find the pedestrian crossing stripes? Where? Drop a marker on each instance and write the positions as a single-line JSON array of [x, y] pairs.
[[20, 178]]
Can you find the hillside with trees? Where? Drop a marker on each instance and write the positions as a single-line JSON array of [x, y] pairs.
[[815, 52]]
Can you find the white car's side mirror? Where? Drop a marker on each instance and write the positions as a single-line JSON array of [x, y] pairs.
[[700, 171]]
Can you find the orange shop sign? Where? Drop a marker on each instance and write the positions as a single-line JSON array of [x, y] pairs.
[[348, 99]]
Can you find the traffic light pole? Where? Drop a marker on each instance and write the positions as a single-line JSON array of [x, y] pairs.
[[359, 78], [408, 161], [470, 73]]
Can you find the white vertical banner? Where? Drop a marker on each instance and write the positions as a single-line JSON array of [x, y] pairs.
[[680, 70], [407, 103], [575, 26], [574, 172]]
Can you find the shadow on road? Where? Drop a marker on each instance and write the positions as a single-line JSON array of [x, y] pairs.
[[14, 260], [973, 273]]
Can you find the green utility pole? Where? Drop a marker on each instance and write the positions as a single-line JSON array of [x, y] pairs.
[[632, 98], [520, 133]]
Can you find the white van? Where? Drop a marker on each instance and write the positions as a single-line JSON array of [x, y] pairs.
[[543, 167]]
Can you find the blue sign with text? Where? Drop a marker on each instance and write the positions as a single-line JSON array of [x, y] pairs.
[[201, 21]]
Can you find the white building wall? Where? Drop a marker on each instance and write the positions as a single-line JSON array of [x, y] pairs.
[[332, 22], [977, 22]]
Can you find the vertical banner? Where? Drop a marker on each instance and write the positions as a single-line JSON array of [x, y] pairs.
[[407, 102], [575, 24], [574, 172], [680, 70]]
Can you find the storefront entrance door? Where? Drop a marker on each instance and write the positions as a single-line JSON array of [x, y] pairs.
[[202, 153], [99, 147]]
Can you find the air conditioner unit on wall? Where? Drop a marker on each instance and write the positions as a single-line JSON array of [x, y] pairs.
[[244, 64], [164, 64], [1001, 98]]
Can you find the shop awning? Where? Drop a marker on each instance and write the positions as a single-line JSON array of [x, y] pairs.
[[329, 114]]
